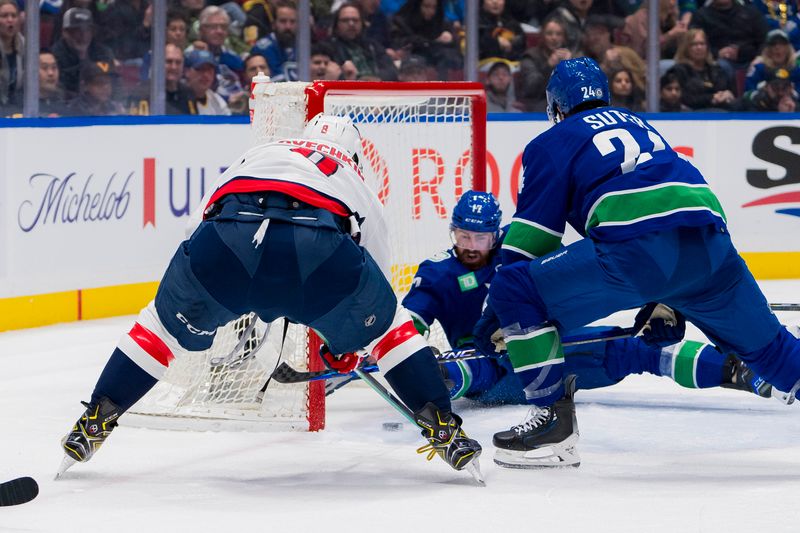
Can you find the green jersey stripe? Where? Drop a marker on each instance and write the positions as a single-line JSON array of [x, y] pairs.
[[542, 349], [620, 208], [531, 239], [685, 364]]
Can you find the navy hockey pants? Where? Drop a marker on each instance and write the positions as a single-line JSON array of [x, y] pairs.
[[305, 267], [694, 270]]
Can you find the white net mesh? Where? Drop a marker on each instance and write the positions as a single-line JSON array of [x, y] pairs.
[[417, 149], [221, 388]]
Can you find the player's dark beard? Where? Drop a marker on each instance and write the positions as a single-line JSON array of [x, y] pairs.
[[472, 259]]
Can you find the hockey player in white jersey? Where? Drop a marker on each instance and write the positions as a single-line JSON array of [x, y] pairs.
[[291, 230]]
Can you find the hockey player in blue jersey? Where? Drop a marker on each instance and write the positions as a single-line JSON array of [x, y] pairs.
[[451, 288], [653, 232], [291, 230]]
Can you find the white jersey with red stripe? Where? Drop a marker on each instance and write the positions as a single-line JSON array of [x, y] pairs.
[[317, 173]]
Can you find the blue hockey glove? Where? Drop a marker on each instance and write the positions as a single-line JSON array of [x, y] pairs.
[[660, 325], [487, 334]]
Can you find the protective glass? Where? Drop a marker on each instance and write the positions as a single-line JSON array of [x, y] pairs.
[[472, 240]]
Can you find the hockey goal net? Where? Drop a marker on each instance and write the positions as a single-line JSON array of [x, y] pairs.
[[423, 146]]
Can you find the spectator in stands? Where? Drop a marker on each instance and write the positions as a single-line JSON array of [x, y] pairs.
[[499, 36], [537, 64], [200, 77], [51, 96], [419, 28], [573, 13], [624, 92], [278, 46], [775, 93], [258, 23], [214, 25], [368, 57], [376, 25], [238, 18], [253, 64], [621, 57], [597, 36], [500, 89], [671, 94], [12, 54], [123, 28], [634, 33], [179, 99], [96, 96], [77, 45], [704, 84], [177, 28], [615, 8], [453, 13], [413, 68], [781, 15], [192, 8], [735, 32], [324, 67], [525, 11], [778, 53]]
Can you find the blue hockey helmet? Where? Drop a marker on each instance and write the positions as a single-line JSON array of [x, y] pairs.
[[574, 82], [477, 211]]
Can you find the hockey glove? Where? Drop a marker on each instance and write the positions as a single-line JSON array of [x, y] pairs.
[[660, 325], [488, 335], [343, 363]]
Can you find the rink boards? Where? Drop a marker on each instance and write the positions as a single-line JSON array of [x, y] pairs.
[[92, 211]]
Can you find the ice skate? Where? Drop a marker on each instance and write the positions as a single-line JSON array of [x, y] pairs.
[[447, 440], [738, 376], [546, 438], [89, 433]]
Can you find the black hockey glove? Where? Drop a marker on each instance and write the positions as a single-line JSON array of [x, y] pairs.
[[660, 325]]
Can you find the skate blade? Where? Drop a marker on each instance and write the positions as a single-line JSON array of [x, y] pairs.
[[561, 455], [783, 397], [66, 464], [474, 468]]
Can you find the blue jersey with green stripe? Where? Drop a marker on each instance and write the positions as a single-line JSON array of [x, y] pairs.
[[445, 290], [609, 174]]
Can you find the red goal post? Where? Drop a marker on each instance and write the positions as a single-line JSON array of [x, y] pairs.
[[424, 144]]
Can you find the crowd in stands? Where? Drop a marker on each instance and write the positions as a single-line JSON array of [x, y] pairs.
[[95, 58]]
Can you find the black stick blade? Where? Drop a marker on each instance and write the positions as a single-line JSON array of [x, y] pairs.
[[18, 491]]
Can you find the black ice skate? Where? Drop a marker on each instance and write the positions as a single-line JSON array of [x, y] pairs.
[[546, 438], [737, 375], [447, 440], [89, 433]]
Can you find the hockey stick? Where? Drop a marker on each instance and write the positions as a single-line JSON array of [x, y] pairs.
[[286, 374], [401, 408], [18, 491], [240, 346], [785, 307]]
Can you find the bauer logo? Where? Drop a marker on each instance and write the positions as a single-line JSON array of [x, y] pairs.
[[74, 199]]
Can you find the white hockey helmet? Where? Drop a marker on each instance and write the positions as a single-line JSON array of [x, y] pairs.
[[337, 130]]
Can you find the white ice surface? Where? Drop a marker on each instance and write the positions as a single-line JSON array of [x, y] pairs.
[[656, 458]]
